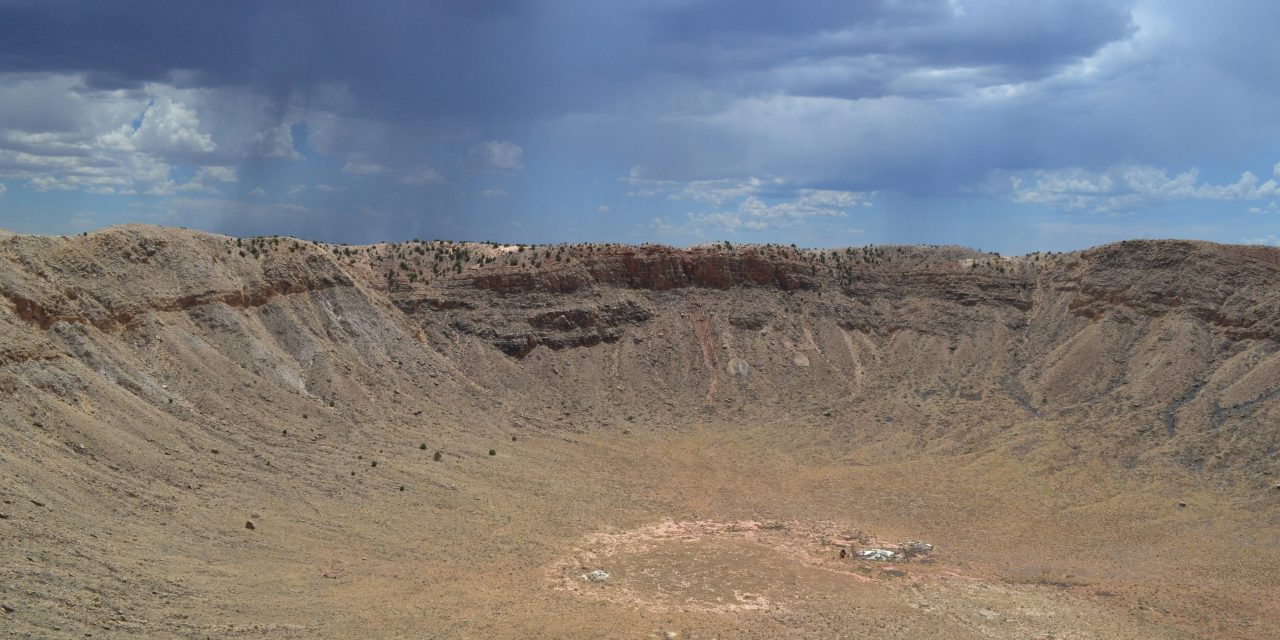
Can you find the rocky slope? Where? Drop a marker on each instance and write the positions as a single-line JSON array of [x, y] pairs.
[[1130, 340], [161, 387]]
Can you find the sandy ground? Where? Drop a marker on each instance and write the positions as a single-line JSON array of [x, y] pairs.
[[699, 535], [196, 443]]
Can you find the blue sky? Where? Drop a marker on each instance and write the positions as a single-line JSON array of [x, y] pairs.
[[1011, 125]]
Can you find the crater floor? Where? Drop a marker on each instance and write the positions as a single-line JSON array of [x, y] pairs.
[[207, 437]]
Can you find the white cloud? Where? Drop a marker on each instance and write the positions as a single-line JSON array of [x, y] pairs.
[[1124, 187], [296, 189], [3, 188], [275, 142], [422, 176], [121, 174], [750, 204], [166, 127], [662, 226], [715, 192], [499, 154], [258, 193], [725, 221], [363, 168], [493, 193], [604, 208], [1269, 240], [168, 187], [292, 208], [325, 188], [61, 134], [218, 174], [754, 214]]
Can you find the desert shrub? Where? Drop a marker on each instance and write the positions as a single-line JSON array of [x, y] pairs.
[[437, 456]]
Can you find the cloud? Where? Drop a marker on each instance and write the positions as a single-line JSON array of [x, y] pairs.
[[258, 193], [791, 137], [493, 193], [3, 188], [166, 127], [754, 214], [663, 226], [1268, 240], [105, 142], [296, 190], [169, 187], [422, 176], [604, 208], [716, 192], [919, 100], [726, 221], [1124, 188], [363, 168], [325, 188], [218, 174], [750, 204], [46, 103], [275, 142], [500, 155], [99, 173]]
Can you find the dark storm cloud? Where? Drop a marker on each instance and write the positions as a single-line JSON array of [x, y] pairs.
[[399, 57], [806, 103], [1024, 38], [408, 60]]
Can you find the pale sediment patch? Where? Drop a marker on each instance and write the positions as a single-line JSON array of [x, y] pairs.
[[725, 567]]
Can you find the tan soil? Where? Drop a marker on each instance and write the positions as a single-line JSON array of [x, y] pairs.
[[707, 425]]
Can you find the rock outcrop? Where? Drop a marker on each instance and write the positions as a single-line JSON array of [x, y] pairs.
[[654, 269]]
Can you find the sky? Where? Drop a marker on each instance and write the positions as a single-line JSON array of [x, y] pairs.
[[1005, 125]]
